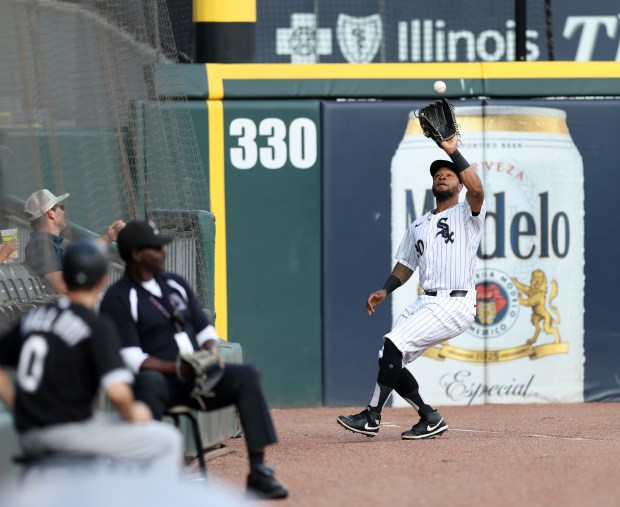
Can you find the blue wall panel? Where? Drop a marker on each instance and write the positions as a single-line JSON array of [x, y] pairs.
[[359, 140]]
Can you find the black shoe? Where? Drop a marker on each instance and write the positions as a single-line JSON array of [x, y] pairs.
[[366, 422], [429, 426], [262, 484]]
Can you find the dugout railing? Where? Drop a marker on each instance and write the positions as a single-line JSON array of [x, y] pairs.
[[191, 254]]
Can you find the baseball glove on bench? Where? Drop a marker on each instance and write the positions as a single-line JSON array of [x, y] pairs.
[[438, 121]]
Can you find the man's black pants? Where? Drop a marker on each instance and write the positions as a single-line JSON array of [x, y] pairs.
[[239, 386]]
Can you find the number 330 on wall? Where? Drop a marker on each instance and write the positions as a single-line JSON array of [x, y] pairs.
[[297, 144]]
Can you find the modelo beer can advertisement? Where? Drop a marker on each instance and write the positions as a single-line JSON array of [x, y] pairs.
[[526, 344]]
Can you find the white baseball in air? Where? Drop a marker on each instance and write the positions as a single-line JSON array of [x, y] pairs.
[[439, 87]]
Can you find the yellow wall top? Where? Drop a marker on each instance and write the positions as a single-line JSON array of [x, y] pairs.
[[224, 11]]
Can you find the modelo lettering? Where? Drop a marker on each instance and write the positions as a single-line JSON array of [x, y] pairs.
[[553, 232]]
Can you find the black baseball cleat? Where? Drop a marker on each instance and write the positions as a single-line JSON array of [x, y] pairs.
[[262, 484], [430, 425], [366, 422]]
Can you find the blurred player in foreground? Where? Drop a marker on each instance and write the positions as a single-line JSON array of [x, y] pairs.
[[442, 244], [96, 487], [63, 354]]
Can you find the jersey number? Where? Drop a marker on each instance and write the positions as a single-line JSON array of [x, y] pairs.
[[31, 363]]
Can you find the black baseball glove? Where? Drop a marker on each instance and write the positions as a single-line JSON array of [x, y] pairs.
[[438, 121], [207, 368]]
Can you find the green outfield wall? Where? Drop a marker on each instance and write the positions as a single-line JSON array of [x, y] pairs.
[[262, 159], [273, 242]]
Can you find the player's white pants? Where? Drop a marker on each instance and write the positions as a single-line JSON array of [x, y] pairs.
[[430, 320], [155, 444]]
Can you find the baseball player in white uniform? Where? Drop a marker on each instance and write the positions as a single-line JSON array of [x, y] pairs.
[[442, 245]]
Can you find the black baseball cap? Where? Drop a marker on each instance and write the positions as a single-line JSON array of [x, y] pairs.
[[438, 164], [140, 234], [84, 264]]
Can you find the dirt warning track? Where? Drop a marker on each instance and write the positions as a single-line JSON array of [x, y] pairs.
[[492, 455]]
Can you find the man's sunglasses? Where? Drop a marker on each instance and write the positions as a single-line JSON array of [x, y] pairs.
[[61, 206]]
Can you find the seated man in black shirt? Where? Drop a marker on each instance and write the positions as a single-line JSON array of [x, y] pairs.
[[63, 353], [158, 316]]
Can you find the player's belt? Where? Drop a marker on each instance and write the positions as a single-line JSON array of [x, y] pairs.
[[453, 294]]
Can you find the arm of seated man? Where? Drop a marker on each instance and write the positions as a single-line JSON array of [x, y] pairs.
[[112, 232], [121, 396], [7, 391], [165, 367], [6, 249], [208, 338], [57, 281]]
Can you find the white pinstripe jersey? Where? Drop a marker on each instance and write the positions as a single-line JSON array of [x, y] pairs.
[[443, 247]]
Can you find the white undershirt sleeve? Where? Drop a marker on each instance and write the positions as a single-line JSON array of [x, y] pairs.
[[133, 357], [208, 333], [117, 376]]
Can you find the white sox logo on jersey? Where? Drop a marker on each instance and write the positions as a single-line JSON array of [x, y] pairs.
[[444, 230]]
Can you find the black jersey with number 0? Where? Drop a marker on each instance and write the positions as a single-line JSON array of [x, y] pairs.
[[62, 353]]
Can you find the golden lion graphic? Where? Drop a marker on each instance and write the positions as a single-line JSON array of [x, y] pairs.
[[536, 297]]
